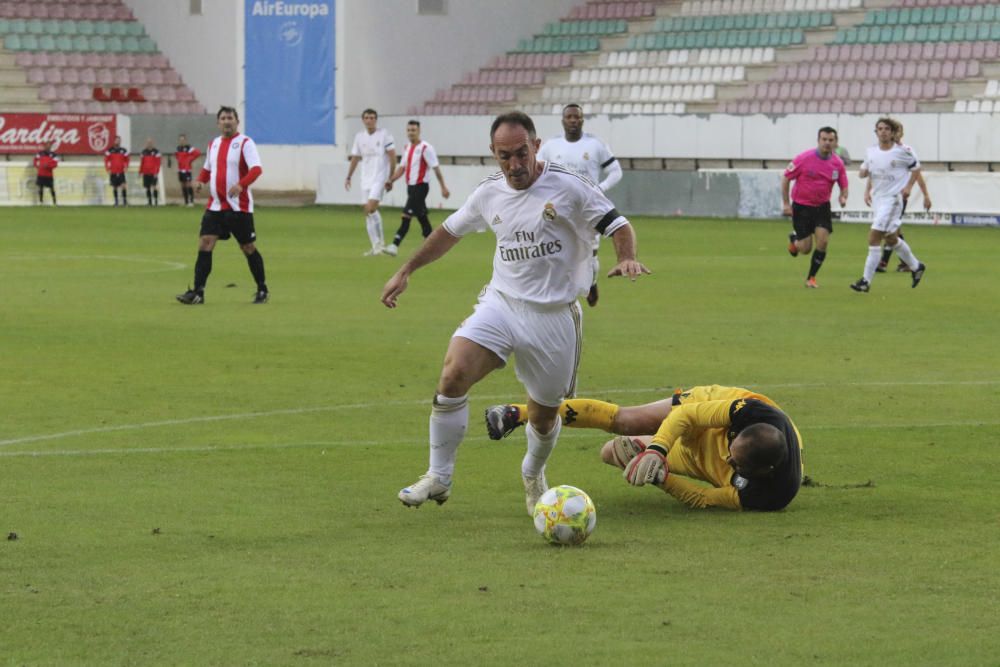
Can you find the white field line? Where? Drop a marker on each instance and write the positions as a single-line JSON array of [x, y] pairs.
[[597, 436], [426, 402], [169, 266]]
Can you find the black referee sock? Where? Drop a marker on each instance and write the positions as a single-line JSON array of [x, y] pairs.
[[202, 267], [817, 261], [256, 264], [425, 225]]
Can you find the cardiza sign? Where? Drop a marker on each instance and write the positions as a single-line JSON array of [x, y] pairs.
[[72, 134]]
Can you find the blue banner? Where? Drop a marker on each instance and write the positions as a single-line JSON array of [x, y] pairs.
[[289, 71]]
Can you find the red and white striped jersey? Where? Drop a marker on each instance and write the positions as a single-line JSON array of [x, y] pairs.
[[418, 160], [229, 161]]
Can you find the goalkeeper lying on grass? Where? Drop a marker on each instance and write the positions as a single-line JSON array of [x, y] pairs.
[[738, 441]]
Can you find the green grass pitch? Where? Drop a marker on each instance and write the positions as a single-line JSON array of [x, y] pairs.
[[216, 485]]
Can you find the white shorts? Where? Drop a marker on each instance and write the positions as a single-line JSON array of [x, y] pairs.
[[887, 213], [375, 191], [545, 341]]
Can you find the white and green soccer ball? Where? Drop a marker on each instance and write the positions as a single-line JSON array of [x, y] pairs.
[[565, 515]]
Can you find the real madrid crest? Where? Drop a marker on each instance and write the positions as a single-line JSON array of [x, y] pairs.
[[549, 212]]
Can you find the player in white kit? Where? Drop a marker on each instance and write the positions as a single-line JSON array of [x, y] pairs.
[[892, 168], [544, 217], [586, 155], [375, 149]]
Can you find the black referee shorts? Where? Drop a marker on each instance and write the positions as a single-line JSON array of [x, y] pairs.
[[806, 219]]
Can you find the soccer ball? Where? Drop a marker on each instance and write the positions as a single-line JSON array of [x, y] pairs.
[[565, 515]]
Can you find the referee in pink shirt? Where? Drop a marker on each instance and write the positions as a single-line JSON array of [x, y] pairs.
[[814, 172]]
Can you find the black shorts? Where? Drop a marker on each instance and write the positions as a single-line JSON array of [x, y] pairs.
[[416, 200], [806, 219], [226, 223], [117, 180], [149, 181], [184, 176], [44, 182]]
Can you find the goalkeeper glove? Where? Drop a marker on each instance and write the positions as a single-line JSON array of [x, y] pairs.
[[625, 448], [649, 467]]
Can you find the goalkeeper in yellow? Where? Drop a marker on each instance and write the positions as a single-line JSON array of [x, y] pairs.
[[738, 441]]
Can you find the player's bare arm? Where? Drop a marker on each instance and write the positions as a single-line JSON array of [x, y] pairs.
[[843, 197], [868, 193], [628, 266], [436, 245], [923, 189], [392, 165], [786, 206], [444, 188], [350, 171], [914, 175]]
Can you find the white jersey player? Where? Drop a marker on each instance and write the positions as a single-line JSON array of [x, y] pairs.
[[375, 149], [586, 155], [891, 168], [544, 216]]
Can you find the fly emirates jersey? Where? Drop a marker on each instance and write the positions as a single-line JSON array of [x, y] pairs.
[[890, 170], [229, 161], [588, 155], [543, 233], [372, 149]]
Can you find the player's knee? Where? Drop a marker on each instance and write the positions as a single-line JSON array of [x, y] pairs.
[[455, 381], [543, 423], [248, 248]]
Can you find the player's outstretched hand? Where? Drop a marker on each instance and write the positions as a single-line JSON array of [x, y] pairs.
[[396, 286], [786, 210], [630, 268], [868, 198], [842, 199], [649, 467], [927, 203]]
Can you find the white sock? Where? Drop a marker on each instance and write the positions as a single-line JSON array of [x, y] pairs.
[[539, 448], [379, 235], [373, 229], [902, 248], [871, 263], [449, 419]]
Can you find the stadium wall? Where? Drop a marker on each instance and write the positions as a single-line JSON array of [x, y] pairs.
[[959, 198], [954, 138]]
